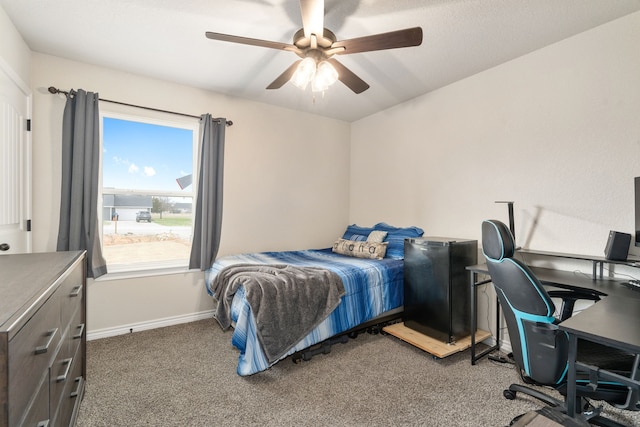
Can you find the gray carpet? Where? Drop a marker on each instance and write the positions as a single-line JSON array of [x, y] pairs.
[[185, 375]]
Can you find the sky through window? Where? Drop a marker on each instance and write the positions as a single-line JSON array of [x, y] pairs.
[[145, 156]]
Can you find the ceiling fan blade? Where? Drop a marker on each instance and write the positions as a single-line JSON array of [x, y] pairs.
[[348, 77], [392, 40], [250, 41], [284, 77], [312, 17]]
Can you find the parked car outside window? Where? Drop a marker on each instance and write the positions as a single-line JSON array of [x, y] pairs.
[[143, 216]]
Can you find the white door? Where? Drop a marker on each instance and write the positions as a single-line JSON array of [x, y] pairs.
[[15, 164]]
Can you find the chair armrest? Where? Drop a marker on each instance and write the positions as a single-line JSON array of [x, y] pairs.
[[575, 294], [569, 298], [545, 328]]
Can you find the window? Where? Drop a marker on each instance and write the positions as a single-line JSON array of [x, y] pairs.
[[147, 197]]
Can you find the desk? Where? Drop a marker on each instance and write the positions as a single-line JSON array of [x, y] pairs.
[[550, 277], [612, 321]]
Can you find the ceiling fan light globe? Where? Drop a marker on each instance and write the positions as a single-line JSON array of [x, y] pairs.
[[318, 85], [304, 73], [326, 75]]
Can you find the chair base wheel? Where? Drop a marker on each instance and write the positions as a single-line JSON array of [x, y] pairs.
[[509, 394]]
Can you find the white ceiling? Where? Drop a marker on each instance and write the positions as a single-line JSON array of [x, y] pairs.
[[165, 39]]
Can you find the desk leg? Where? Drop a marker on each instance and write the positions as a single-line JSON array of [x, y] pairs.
[[473, 285], [570, 400], [474, 320], [598, 269], [497, 346]]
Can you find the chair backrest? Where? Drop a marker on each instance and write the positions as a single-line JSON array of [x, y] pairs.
[[539, 348]]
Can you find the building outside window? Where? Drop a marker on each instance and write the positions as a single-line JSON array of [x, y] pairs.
[[147, 192]]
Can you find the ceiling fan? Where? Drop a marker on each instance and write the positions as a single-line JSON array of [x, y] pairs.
[[317, 46]]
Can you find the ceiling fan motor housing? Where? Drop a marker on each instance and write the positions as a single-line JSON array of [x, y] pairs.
[[324, 41]]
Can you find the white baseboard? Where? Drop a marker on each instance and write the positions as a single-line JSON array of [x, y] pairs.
[[505, 346], [143, 326]]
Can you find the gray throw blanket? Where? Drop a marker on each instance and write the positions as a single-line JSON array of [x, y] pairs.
[[287, 302]]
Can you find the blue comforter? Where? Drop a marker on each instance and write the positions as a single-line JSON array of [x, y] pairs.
[[372, 287]]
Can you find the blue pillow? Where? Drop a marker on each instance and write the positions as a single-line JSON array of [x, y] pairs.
[[396, 236], [355, 232]]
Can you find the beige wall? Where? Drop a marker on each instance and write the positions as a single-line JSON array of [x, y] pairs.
[[285, 184], [14, 52], [556, 131]]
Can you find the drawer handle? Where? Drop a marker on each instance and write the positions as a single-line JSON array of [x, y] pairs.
[[44, 423], [44, 348], [79, 334], [76, 291], [63, 377], [76, 393]]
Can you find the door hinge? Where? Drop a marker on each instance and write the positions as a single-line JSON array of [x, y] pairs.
[[28, 225], [28, 125]]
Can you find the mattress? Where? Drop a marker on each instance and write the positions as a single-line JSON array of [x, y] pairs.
[[372, 287]]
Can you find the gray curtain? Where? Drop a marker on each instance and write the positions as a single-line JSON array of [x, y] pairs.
[[79, 228], [208, 219]]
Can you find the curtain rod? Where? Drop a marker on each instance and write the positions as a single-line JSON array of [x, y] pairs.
[[56, 90]]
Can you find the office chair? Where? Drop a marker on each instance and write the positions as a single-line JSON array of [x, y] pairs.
[[540, 349]]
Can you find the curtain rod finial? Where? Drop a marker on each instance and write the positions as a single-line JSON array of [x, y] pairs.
[[53, 89]]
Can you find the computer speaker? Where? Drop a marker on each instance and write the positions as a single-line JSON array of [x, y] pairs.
[[617, 247]]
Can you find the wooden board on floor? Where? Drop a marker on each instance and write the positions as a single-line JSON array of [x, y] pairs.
[[437, 348]]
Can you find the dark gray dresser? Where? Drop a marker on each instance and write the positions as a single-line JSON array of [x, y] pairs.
[[42, 338]]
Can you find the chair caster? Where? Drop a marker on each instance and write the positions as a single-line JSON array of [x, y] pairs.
[[508, 394]]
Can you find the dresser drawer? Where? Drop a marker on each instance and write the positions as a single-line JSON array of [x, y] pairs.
[[61, 376], [75, 335], [66, 368], [31, 351], [71, 393], [38, 413], [71, 292], [72, 339]]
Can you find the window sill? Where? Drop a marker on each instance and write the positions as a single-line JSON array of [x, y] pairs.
[[120, 272]]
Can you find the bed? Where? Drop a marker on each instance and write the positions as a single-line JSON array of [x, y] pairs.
[[351, 289]]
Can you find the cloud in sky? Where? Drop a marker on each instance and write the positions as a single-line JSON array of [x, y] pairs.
[[133, 168]]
